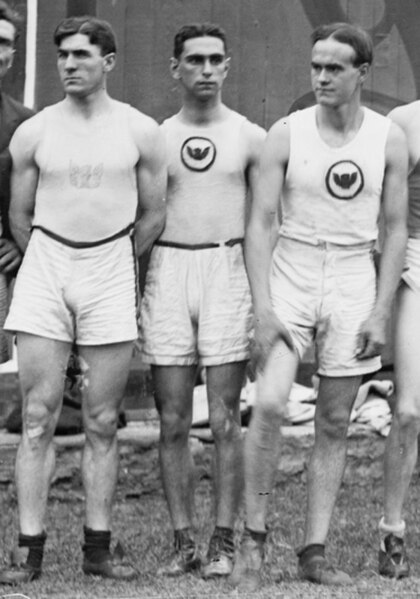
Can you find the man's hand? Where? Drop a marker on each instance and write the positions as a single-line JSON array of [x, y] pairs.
[[372, 337], [10, 256], [268, 331]]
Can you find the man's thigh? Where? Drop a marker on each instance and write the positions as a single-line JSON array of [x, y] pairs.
[[105, 370], [4, 353], [225, 315], [407, 346], [348, 300], [167, 333], [42, 369]]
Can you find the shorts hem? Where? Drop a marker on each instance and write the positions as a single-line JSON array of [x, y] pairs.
[[168, 360], [108, 341], [191, 361], [220, 360], [350, 371], [410, 282]]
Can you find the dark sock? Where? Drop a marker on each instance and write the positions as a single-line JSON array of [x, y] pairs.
[[183, 539], [306, 553], [223, 537], [222, 531], [96, 547], [35, 544]]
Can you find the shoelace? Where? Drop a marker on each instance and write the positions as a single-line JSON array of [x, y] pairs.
[[218, 545]]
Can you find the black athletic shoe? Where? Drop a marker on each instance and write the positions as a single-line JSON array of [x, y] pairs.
[[185, 557], [314, 567], [115, 566], [19, 571], [219, 556], [393, 562]]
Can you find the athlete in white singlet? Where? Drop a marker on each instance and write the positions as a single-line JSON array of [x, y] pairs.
[[401, 448], [334, 167], [82, 171], [197, 304]]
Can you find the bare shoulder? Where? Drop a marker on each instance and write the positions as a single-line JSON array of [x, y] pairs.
[[28, 135], [145, 130], [280, 128], [396, 135], [277, 144], [406, 116]]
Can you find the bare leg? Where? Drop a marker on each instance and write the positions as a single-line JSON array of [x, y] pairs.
[[105, 372], [174, 387], [262, 439], [335, 400], [401, 447], [42, 368], [224, 384], [261, 460]]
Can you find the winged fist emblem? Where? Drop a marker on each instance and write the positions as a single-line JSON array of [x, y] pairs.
[[198, 153], [346, 180]]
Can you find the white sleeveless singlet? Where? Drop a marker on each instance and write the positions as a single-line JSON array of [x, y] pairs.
[[87, 188], [333, 194], [206, 197]]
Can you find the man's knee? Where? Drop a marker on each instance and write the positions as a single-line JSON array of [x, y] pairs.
[[101, 423], [333, 423], [407, 414], [38, 419], [272, 405], [174, 426], [225, 423]]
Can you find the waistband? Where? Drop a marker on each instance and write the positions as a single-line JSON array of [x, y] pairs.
[[85, 244], [328, 245], [199, 246]]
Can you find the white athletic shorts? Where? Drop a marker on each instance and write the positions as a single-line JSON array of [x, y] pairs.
[[323, 294], [71, 294], [196, 304], [411, 272], [4, 346]]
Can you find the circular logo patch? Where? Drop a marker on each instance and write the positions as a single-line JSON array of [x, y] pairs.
[[198, 153], [344, 180]]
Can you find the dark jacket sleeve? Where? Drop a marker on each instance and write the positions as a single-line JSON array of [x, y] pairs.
[[12, 114]]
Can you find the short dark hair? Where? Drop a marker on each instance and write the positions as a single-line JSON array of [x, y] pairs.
[[345, 33], [99, 32], [192, 30], [7, 13]]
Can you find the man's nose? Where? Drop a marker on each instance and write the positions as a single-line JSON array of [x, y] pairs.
[[207, 67], [70, 63], [323, 75]]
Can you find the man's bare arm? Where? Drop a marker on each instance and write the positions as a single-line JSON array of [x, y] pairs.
[[258, 239], [24, 181], [394, 208], [151, 181]]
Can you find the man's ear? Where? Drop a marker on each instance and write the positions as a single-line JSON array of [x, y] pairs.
[[227, 65], [364, 71], [109, 62], [173, 67]]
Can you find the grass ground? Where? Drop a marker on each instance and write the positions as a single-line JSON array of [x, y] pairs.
[[141, 521]]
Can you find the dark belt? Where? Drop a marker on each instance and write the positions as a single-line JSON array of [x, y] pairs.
[[85, 244], [199, 246]]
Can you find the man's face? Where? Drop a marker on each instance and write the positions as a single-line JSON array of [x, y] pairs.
[[335, 79], [81, 66], [7, 41], [202, 66]]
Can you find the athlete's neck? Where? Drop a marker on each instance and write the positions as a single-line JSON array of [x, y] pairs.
[[89, 106], [339, 125], [202, 113]]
